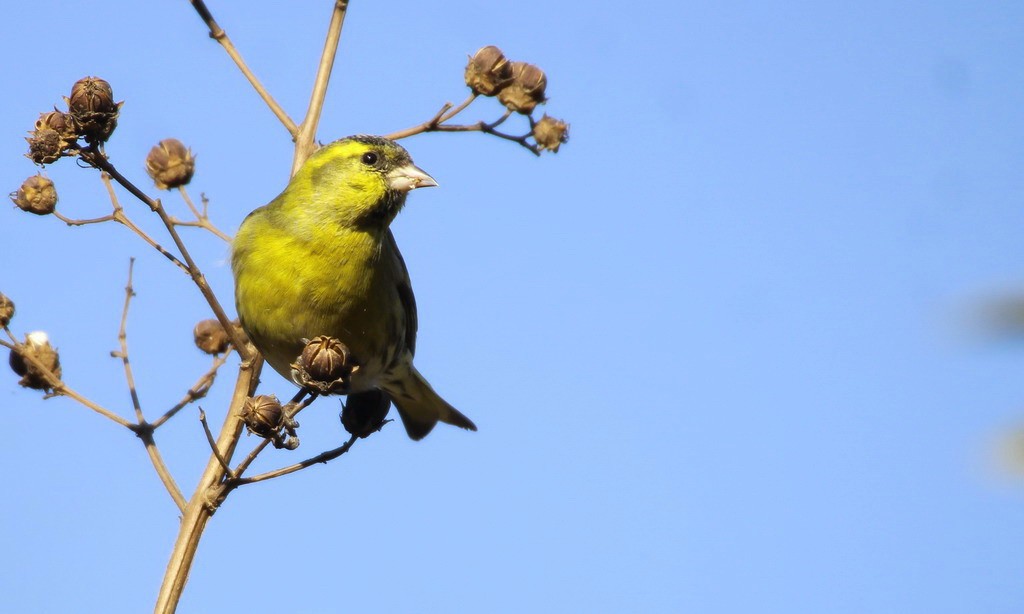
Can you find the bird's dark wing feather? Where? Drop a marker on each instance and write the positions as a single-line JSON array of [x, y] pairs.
[[405, 294]]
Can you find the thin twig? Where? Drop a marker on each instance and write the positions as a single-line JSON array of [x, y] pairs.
[[459, 109], [197, 391], [122, 338], [121, 217], [437, 124], [204, 224], [58, 386], [202, 219], [249, 458], [143, 430], [188, 201], [213, 445], [73, 222], [161, 469], [507, 114], [97, 159], [446, 113], [323, 457], [489, 129], [305, 140], [219, 35]]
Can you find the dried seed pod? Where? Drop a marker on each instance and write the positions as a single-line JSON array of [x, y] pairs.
[[170, 164], [325, 365], [61, 123], [45, 146], [6, 310], [488, 71], [211, 337], [550, 133], [363, 413], [37, 346], [263, 415], [93, 110], [53, 135], [526, 89], [37, 194]]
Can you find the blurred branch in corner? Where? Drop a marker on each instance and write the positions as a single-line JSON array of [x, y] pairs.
[[1000, 318]]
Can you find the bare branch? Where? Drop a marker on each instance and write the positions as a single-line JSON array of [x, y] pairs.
[[122, 338], [489, 128], [437, 124], [121, 217], [73, 222], [204, 224], [323, 457], [97, 159], [144, 430], [219, 35], [446, 113], [197, 391], [213, 445], [202, 219], [59, 387], [188, 201]]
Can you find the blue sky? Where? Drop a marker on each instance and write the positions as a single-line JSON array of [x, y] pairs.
[[720, 348]]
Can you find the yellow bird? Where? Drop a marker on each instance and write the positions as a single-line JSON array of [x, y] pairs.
[[320, 259]]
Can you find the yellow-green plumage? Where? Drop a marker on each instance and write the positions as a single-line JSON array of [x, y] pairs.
[[320, 259]]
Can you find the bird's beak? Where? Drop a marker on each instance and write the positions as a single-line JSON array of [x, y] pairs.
[[409, 177]]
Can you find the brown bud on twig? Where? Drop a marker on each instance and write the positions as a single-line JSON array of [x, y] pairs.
[[92, 107], [550, 133], [266, 417], [170, 164], [325, 365], [37, 194], [263, 415], [364, 413], [37, 346], [488, 71], [526, 90], [6, 310], [211, 337]]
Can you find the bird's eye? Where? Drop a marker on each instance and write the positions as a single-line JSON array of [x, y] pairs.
[[370, 158]]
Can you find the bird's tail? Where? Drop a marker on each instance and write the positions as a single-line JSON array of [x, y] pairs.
[[421, 408]]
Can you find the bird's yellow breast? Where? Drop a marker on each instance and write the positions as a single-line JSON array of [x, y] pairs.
[[324, 279]]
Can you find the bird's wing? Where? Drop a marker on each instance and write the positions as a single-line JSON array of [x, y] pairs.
[[404, 294]]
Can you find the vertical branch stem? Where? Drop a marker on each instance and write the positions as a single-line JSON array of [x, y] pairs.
[[305, 142], [144, 430], [206, 499], [211, 488], [122, 339]]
